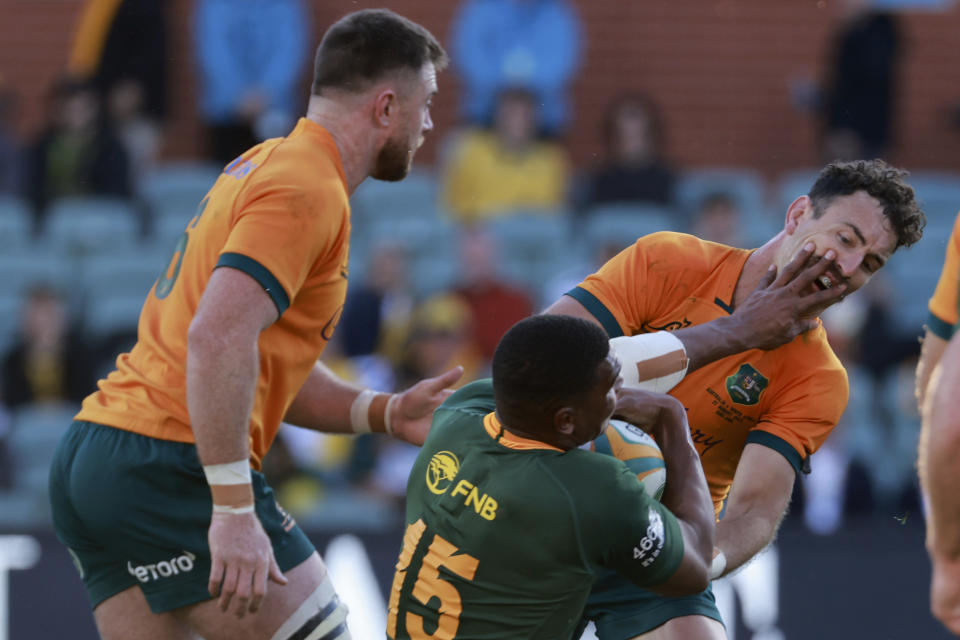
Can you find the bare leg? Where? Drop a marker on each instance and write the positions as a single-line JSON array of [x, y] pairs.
[[278, 605], [685, 628], [127, 616]]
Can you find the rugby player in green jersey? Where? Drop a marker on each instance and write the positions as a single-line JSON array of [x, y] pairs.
[[508, 520]]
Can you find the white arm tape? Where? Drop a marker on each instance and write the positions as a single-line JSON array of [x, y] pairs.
[[718, 565], [237, 472], [360, 411], [386, 413], [219, 508], [651, 361]]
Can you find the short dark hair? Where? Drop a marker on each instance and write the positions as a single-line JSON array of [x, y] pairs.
[[545, 360], [880, 180], [364, 46]]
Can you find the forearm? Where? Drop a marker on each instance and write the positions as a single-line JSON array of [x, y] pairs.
[[221, 381], [711, 341], [940, 448], [931, 352], [741, 537], [687, 494], [324, 402]]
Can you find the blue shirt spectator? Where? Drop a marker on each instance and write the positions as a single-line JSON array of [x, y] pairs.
[[250, 55], [533, 44]]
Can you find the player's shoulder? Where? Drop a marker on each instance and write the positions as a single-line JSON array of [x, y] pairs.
[[810, 352], [476, 396], [685, 251], [587, 476]]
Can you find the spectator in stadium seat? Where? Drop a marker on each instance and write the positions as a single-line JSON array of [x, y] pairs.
[[497, 172], [49, 363], [634, 168], [503, 497], [860, 90], [760, 399], [719, 219], [501, 44], [77, 154], [250, 57], [11, 158], [496, 305]]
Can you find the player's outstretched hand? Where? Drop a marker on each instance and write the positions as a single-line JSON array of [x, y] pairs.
[[241, 562], [787, 304], [412, 411], [945, 592]]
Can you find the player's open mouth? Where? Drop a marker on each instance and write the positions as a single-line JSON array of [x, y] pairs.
[[824, 282]]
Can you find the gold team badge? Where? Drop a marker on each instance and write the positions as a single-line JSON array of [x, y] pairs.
[[441, 471], [746, 385]]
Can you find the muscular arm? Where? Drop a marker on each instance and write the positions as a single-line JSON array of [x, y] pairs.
[[323, 403], [777, 311], [930, 354], [940, 449], [687, 495], [758, 499], [223, 364]]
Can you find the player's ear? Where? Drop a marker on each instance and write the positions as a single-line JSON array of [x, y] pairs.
[[795, 211], [563, 420], [384, 107]]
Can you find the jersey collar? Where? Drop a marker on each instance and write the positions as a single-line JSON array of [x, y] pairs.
[[512, 441]]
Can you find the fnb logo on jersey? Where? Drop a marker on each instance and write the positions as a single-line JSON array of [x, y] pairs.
[[441, 471], [164, 569]]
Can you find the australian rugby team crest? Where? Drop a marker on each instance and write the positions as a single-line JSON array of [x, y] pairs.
[[746, 385]]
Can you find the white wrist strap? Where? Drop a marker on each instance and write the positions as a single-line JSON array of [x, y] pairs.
[[360, 411], [718, 565], [219, 508], [386, 413], [237, 472]]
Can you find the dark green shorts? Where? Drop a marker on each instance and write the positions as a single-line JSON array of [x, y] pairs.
[[620, 610], [135, 510]]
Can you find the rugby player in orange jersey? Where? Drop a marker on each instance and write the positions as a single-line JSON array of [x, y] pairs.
[[152, 489], [939, 403], [762, 393]]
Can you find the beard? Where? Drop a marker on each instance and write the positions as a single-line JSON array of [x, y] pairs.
[[393, 161]]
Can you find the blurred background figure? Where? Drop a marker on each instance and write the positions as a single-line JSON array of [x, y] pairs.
[[860, 93], [634, 168], [10, 146], [505, 169], [499, 44], [48, 362], [77, 153], [494, 303], [250, 57], [719, 219]]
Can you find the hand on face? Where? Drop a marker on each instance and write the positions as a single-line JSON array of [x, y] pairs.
[[787, 303]]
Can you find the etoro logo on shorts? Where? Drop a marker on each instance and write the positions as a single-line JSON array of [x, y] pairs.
[[164, 569], [441, 471]]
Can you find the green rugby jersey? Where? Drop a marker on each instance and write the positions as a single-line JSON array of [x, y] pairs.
[[505, 535]]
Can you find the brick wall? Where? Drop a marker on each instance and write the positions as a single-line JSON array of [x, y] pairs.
[[721, 69]]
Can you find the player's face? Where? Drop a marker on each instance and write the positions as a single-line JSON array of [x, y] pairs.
[[413, 121], [600, 402], [854, 226]]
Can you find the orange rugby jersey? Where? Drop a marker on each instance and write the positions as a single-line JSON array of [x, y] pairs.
[[787, 399], [945, 303], [280, 213]]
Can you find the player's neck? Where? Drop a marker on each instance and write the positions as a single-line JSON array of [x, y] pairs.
[[755, 269], [348, 133]]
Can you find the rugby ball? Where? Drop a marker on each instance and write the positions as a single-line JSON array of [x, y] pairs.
[[639, 451]]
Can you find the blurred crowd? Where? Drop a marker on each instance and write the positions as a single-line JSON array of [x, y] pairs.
[[443, 263]]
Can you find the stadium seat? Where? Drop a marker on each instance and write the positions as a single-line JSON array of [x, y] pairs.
[[38, 264], [531, 244], [110, 314], [176, 189], [16, 224], [122, 273], [745, 186], [10, 306], [34, 437], [939, 195], [414, 197], [88, 224], [621, 225], [788, 187]]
